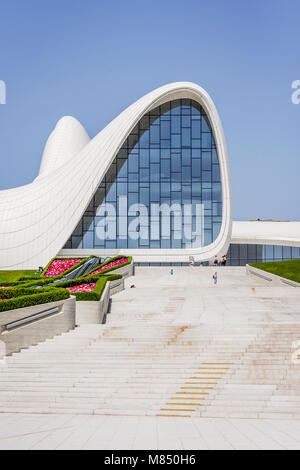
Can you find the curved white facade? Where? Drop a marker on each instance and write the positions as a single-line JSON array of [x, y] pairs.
[[266, 233], [37, 219], [64, 143]]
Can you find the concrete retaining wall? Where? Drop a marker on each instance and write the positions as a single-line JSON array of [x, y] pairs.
[[91, 312], [116, 286], [126, 271], [36, 330], [271, 278], [88, 312]]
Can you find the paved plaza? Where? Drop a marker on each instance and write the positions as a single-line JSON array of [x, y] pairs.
[[179, 364]]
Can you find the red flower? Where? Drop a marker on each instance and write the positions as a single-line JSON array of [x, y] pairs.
[[59, 266], [82, 287], [112, 264]]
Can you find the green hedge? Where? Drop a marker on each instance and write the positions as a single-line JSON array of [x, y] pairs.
[[114, 268], [28, 283], [33, 283], [29, 277], [95, 295], [69, 270], [25, 297], [11, 284]]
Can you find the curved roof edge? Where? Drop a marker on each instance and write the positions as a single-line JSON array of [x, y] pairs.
[[66, 140], [37, 219], [266, 232]]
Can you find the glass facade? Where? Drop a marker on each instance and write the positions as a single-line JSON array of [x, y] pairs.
[[240, 255], [163, 189]]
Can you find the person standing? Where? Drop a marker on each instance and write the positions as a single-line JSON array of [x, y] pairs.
[[215, 278], [224, 260], [216, 261]]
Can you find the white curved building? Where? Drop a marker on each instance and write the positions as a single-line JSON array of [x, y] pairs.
[[155, 183]]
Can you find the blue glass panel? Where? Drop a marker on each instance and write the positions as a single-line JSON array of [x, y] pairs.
[[165, 130], [240, 255], [216, 176], [175, 141], [186, 137], [186, 157], [144, 139], [196, 168], [186, 121], [196, 129], [278, 252], [175, 124], [169, 158], [206, 140], [287, 253], [205, 124]]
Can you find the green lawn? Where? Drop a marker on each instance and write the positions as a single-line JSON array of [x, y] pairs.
[[288, 269], [13, 276]]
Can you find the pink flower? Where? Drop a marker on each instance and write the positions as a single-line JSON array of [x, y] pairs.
[[112, 264], [59, 266], [82, 287], [5, 287]]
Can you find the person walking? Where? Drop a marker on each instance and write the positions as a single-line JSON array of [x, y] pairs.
[[216, 261], [215, 278], [224, 260]]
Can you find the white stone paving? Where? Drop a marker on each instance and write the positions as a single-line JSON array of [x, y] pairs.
[[49, 432], [99, 387]]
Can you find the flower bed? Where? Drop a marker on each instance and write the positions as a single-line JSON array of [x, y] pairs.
[[94, 292], [60, 266], [109, 266], [83, 287]]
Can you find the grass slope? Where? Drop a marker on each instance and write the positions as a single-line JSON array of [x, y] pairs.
[[288, 269], [13, 276]]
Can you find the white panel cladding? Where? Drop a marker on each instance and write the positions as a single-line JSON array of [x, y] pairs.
[[263, 232], [67, 140], [37, 219]]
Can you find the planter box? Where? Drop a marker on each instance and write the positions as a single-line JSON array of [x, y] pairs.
[[24, 327], [116, 286], [273, 279], [91, 312], [126, 271]]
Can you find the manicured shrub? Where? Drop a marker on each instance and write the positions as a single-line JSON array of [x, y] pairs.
[[27, 277], [20, 282], [26, 297], [33, 283], [95, 294]]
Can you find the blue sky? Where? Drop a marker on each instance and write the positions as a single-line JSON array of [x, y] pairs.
[[93, 58]]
